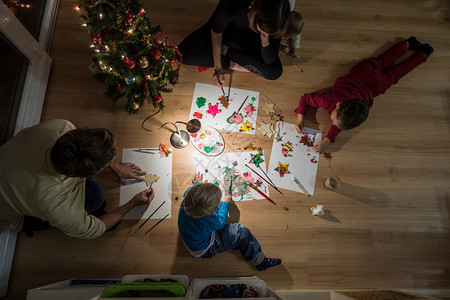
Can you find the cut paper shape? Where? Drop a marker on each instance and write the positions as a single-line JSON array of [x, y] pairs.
[[305, 140], [218, 117], [235, 119], [286, 148], [282, 169], [267, 129], [201, 101], [276, 117], [198, 115], [224, 100], [213, 110], [164, 151], [256, 159], [247, 126], [249, 109], [150, 178], [317, 211], [269, 108]]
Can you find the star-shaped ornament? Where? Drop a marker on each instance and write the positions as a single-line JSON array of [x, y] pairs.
[[267, 129], [282, 169], [247, 126], [269, 108], [256, 159]]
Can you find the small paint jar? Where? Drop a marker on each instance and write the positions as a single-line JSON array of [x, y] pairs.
[[332, 183]]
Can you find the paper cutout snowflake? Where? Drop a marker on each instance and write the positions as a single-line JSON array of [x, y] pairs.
[[213, 110], [249, 109], [247, 126], [269, 108], [164, 151], [282, 169], [267, 129]]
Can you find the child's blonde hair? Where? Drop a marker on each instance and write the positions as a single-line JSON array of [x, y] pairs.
[[202, 200], [295, 24]]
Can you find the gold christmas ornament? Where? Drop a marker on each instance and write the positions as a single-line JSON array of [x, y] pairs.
[[144, 62], [135, 105]]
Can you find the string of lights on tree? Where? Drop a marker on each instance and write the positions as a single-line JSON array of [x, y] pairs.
[[130, 54]]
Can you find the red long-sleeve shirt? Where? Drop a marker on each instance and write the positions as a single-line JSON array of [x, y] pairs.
[[345, 88]]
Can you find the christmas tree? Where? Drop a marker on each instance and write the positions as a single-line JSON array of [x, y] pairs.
[[130, 54]]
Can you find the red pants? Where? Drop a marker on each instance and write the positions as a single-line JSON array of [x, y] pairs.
[[379, 73]]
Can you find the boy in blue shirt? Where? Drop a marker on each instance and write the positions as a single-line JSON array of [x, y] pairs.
[[202, 222]]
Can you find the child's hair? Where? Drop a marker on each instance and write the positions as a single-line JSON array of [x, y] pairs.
[[295, 24], [351, 113], [202, 200]]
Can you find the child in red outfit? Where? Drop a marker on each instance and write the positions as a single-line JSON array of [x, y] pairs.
[[349, 99]]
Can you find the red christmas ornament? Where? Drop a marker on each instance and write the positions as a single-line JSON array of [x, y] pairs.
[[142, 12], [155, 53], [157, 98], [173, 80], [129, 63], [119, 88], [128, 17], [97, 38]]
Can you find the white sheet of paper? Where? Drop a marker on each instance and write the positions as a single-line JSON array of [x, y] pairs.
[[216, 172], [152, 164], [303, 162], [219, 121]]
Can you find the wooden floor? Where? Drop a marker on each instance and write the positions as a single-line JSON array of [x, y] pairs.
[[387, 227]]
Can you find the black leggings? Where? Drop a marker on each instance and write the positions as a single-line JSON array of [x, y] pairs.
[[196, 49]]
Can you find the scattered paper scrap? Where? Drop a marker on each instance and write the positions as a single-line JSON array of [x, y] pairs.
[[317, 211]]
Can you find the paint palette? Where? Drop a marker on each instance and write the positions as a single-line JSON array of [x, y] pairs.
[[208, 141]]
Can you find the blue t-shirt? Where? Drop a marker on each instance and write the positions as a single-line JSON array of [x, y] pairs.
[[196, 232]]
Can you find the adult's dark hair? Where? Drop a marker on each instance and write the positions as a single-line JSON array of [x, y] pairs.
[[83, 152], [270, 15], [352, 113]]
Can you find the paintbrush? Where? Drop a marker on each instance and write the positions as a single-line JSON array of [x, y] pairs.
[[261, 193], [149, 217], [272, 185], [300, 185], [241, 106], [143, 151], [157, 223], [221, 86]]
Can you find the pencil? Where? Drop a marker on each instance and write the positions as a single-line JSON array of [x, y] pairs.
[[157, 223], [262, 194], [149, 217], [264, 179], [297, 66]]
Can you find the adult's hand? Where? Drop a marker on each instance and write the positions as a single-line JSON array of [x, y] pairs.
[[144, 197], [218, 78], [127, 170]]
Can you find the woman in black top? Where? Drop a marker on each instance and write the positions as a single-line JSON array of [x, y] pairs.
[[253, 31]]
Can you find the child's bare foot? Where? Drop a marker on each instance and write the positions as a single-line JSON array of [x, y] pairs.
[[237, 67]]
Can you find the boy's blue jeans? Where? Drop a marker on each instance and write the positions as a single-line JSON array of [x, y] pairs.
[[236, 236]]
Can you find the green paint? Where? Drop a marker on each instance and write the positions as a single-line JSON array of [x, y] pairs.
[[253, 98], [208, 149], [227, 170], [287, 227], [201, 101]]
